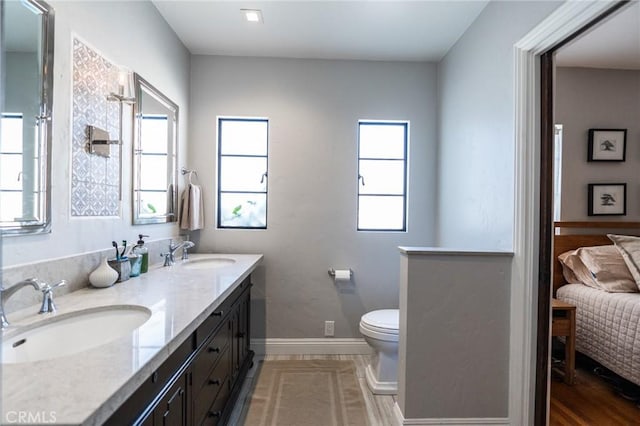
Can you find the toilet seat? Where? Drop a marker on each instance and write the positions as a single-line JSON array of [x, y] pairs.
[[382, 324]]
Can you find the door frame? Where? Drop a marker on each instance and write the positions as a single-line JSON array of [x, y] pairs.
[[531, 270]]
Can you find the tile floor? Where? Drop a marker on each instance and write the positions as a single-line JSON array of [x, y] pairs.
[[379, 407]]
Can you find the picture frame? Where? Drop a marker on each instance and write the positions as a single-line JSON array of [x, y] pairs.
[[607, 144], [607, 199]]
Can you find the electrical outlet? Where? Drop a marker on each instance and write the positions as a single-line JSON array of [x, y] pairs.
[[329, 328]]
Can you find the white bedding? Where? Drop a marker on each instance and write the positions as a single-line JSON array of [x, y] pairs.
[[607, 327]]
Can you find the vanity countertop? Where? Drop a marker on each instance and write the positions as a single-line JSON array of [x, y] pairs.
[[87, 387]]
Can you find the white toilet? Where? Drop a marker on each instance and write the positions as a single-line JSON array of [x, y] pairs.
[[380, 330]]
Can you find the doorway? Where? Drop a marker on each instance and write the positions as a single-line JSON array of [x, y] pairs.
[[546, 213]]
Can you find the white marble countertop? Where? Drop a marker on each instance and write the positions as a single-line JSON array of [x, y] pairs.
[[87, 387]]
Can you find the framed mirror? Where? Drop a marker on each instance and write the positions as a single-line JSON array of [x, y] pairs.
[[25, 139], [155, 175]]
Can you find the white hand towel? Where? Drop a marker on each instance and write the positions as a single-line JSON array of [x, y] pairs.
[[191, 208]]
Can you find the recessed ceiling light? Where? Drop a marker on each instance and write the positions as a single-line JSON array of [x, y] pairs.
[[252, 15]]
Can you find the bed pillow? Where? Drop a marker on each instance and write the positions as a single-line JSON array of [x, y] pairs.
[[602, 267], [574, 270], [567, 272], [629, 248]]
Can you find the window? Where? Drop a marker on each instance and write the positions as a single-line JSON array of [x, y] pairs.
[[152, 192], [11, 167], [557, 171], [382, 176], [242, 173]]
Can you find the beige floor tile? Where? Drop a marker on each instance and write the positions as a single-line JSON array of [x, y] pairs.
[[379, 407]]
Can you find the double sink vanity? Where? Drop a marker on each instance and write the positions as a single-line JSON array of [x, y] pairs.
[[169, 347]]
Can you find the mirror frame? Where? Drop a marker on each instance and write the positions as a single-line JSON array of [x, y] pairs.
[[44, 120], [140, 85]]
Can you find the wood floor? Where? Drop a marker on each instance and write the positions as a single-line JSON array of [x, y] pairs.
[[591, 401], [379, 407]]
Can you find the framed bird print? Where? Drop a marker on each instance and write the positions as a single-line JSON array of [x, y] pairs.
[[607, 199], [607, 144]]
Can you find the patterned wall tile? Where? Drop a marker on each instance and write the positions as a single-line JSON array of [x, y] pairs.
[[81, 203], [113, 198], [98, 174], [80, 165], [113, 171], [98, 197], [94, 177]]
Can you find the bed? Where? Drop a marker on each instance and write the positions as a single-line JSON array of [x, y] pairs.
[[607, 324]]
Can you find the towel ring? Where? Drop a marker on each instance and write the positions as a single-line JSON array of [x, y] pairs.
[[184, 171]]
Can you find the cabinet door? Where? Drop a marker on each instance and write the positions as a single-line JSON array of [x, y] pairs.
[[243, 328], [235, 354], [240, 331], [171, 410]]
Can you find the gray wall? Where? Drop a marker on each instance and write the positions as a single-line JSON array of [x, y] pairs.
[[130, 34], [476, 131], [597, 98], [314, 107], [454, 335]]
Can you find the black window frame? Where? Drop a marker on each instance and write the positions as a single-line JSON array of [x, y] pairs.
[[405, 160], [219, 170]]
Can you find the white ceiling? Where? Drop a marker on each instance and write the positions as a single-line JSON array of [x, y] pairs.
[[613, 44], [367, 30]]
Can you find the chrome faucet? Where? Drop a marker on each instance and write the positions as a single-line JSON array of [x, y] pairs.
[[169, 257], [186, 245], [6, 293], [47, 297]]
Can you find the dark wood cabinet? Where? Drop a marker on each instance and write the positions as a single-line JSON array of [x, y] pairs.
[[199, 383], [172, 408], [240, 324]]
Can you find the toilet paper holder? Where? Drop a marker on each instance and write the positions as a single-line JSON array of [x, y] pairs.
[[332, 272]]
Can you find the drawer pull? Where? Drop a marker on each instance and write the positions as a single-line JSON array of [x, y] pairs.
[[214, 382], [214, 413], [217, 350], [217, 314], [241, 335]]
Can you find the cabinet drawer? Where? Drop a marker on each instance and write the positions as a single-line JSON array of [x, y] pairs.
[[212, 322], [246, 283], [216, 318], [213, 386], [210, 353], [214, 413]]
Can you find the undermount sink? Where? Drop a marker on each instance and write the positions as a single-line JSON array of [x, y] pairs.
[[208, 262], [72, 333]]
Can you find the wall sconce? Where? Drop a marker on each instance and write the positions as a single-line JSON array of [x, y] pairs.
[[125, 95], [98, 141], [125, 88]]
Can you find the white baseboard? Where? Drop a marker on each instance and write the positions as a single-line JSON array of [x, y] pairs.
[[401, 421], [319, 346]]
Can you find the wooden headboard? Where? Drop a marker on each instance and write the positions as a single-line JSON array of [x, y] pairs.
[[565, 242]]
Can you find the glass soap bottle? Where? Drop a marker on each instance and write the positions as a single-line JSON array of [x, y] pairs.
[[141, 250]]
